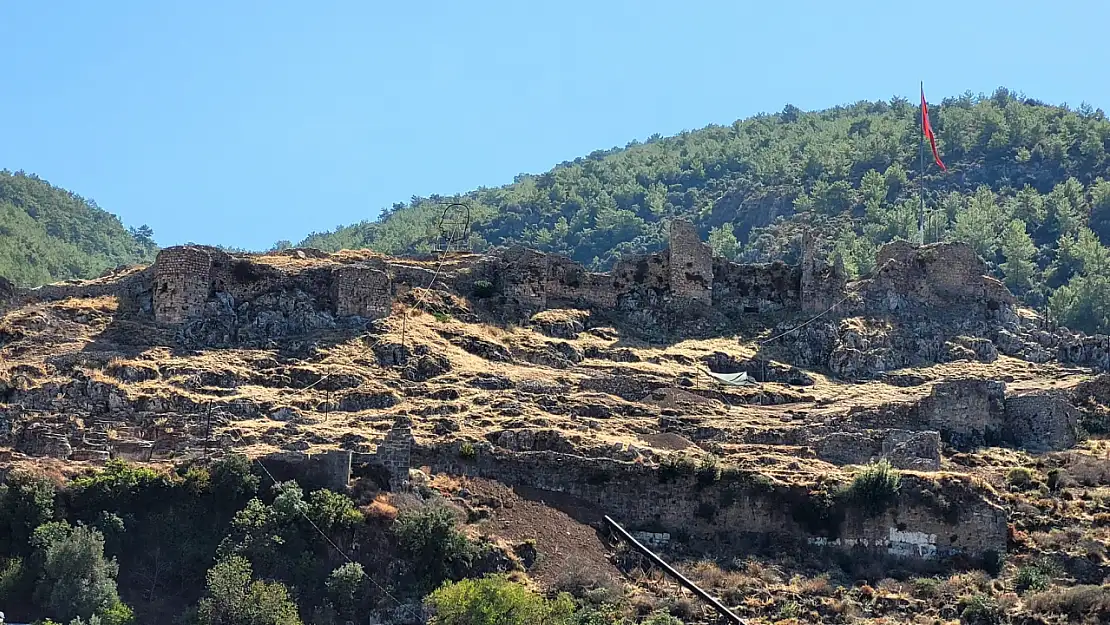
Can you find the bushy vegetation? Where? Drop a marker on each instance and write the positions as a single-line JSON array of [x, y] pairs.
[[429, 538], [875, 487], [49, 234], [1028, 187], [496, 600]]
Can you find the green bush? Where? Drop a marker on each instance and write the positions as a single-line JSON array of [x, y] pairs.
[[674, 466], [661, 618], [346, 587], [980, 610], [428, 537], [495, 600], [1022, 478], [26, 502], [467, 451], [483, 289], [708, 470], [233, 599], [231, 478], [330, 510], [75, 580], [875, 488], [925, 587], [1035, 577]]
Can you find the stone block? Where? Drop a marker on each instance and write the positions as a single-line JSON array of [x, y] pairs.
[[361, 290], [691, 264], [1041, 422]]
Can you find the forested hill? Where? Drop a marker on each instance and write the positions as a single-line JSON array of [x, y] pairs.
[[49, 234], [1025, 185]]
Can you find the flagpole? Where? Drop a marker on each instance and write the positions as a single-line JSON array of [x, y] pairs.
[[921, 172]]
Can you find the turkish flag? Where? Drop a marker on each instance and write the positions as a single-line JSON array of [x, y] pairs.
[[929, 130]]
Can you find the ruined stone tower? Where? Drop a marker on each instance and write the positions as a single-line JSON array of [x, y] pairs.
[[691, 265], [181, 283], [361, 290]]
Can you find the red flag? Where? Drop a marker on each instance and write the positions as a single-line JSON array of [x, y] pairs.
[[929, 130]]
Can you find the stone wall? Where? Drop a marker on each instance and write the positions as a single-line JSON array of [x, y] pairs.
[[330, 469], [904, 449], [945, 276], [972, 413], [361, 290], [822, 285], [743, 289], [1041, 422], [724, 515], [395, 452], [691, 263], [968, 412], [181, 283], [569, 282]]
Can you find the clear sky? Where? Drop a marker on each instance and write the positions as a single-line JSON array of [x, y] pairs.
[[245, 122]]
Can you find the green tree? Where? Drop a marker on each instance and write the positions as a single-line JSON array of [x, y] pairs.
[[26, 502], [75, 579], [1066, 208], [1018, 250], [495, 600], [346, 587], [234, 599], [723, 241], [428, 537], [1100, 210], [980, 223]]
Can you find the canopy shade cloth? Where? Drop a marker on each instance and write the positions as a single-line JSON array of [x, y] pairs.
[[733, 379]]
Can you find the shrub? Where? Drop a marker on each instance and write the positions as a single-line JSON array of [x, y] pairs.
[[233, 599], [875, 488], [674, 466], [708, 472], [592, 585], [436, 549], [483, 289], [980, 610], [467, 451], [495, 600], [346, 586], [231, 478], [1075, 602], [330, 510], [661, 618], [925, 587], [1036, 576], [1021, 478]]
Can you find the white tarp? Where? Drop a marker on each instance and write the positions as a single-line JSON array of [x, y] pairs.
[[733, 379]]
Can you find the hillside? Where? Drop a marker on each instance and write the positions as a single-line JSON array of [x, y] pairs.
[[1025, 182], [48, 234], [923, 450]]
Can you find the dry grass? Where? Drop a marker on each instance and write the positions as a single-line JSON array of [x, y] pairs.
[[380, 509]]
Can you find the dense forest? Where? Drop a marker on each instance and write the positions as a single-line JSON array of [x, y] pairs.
[[1027, 186], [49, 234]]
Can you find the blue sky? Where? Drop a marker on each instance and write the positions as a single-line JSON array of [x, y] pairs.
[[245, 122]]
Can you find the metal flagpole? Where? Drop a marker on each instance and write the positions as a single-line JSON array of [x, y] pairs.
[[921, 172]]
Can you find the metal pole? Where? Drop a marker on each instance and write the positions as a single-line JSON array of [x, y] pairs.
[[207, 431], [679, 577], [921, 171]]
